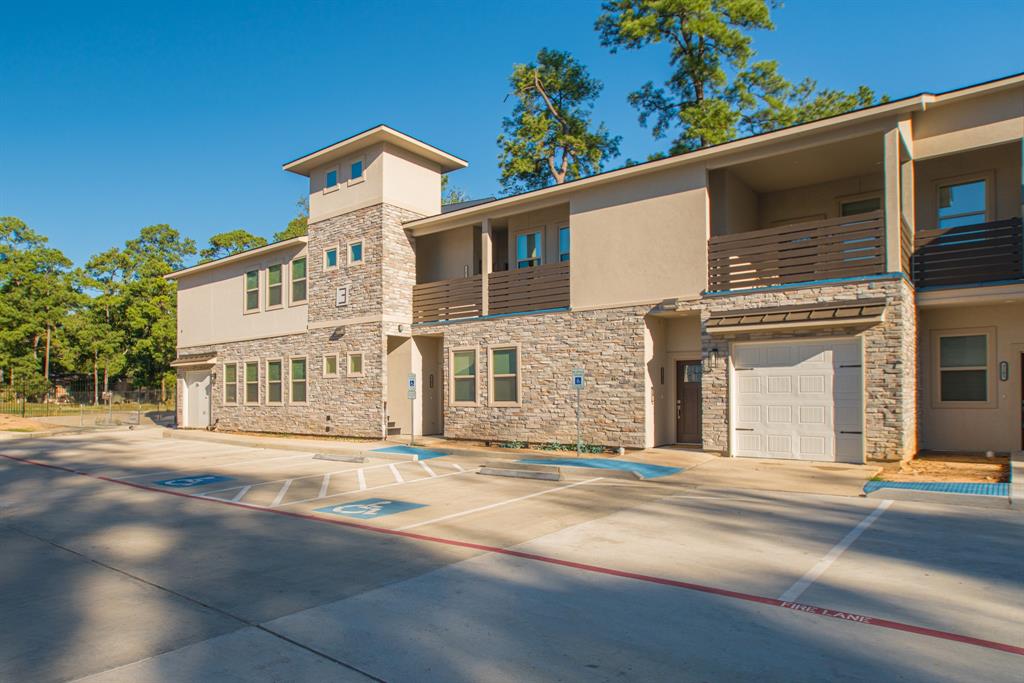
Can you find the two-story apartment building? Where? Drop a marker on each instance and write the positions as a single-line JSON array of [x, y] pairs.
[[845, 289]]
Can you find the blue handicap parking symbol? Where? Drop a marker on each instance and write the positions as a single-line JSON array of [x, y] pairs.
[[370, 508], [195, 480]]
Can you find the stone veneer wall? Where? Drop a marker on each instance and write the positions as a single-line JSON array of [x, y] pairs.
[[890, 361], [364, 281], [608, 344], [399, 267]]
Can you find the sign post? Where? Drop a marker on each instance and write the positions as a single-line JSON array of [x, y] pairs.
[[412, 408], [577, 382]]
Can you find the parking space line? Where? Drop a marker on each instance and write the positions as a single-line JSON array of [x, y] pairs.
[[832, 555], [372, 488], [305, 476], [396, 474], [800, 608], [361, 480], [280, 494], [241, 493], [499, 504], [323, 485], [426, 468]]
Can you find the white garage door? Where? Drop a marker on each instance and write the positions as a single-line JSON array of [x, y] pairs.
[[798, 400]]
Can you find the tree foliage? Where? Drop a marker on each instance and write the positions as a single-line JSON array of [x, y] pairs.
[[549, 137], [231, 242], [451, 195], [714, 93], [298, 226]]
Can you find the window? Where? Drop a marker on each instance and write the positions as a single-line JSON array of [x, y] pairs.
[[464, 376], [230, 383], [252, 382], [274, 286], [504, 376], [331, 179], [355, 253], [252, 291], [355, 365], [962, 203], [331, 365], [298, 280], [356, 170], [330, 258], [563, 244], [963, 368], [274, 381], [298, 379], [852, 207], [528, 249]]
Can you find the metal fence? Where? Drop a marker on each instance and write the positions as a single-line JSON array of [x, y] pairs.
[[80, 403]]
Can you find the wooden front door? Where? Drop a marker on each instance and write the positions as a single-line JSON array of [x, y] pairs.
[[688, 401]]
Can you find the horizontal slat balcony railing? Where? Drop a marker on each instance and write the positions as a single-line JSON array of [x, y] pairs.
[[985, 252], [850, 246], [528, 289], [447, 299]]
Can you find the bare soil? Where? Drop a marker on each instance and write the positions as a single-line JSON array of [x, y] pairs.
[[13, 423], [949, 467]]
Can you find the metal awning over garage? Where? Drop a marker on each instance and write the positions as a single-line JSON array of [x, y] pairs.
[[859, 312], [199, 360]]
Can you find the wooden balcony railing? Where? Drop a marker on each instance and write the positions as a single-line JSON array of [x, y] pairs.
[[447, 299], [986, 252], [528, 289], [850, 246]]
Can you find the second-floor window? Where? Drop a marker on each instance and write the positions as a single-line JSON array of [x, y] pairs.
[[274, 286], [356, 170], [563, 244], [355, 253], [298, 280], [962, 203], [252, 291], [331, 178], [330, 258], [529, 247]]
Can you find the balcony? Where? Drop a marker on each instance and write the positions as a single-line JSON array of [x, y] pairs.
[[512, 291], [850, 246], [969, 254]]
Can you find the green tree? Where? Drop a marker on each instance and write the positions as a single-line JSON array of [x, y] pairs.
[[297, 226], [549, 137], [451, 195], [231, 242], [714, 93]]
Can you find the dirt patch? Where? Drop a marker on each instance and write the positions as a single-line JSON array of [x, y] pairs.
[[13, 423], [947, 467]]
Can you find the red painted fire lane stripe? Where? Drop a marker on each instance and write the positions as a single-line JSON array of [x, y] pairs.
[[747, 597]]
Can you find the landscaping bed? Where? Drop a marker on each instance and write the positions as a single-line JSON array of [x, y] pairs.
[[948, 467]]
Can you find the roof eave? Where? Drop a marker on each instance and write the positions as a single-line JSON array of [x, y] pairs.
[[234, 258]]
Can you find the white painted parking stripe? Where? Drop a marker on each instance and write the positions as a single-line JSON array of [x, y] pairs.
[[499, 504], [426, 468], [396, 474], [458, 467], [362, 480], [372, 488], [241, 493], [817, 570], [323, 486], [308, 476], [280, 494]]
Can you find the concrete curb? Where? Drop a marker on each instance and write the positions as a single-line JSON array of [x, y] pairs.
[[20, 436], [1017, 479], [940, 497]]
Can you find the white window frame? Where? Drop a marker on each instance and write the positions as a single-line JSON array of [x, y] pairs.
[[291, 381], [476, 375], [491, 401], [355, 181], [990, 371], [245, 292], [988, 176], [324, 368], [337, 260], [266, 374], [246, 382], [514, 256], [337, 180], [291, 281], [268, 306], [348, 364], [224, 372], [362, 252]]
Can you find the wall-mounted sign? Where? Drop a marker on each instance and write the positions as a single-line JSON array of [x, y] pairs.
[[341, 296]]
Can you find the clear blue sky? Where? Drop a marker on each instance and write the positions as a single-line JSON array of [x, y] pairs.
[[117, 117]]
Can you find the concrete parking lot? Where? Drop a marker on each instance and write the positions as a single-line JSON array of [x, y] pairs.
[[129, 557]]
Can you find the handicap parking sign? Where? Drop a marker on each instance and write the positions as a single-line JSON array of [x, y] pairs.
[[370, 508], [195, 480]]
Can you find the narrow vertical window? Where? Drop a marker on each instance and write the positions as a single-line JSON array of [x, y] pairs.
[[357, 170], [464, 376], [298, 280], [504, 376], [252, 382], [355, 252], [252, 291], [298, 380], [330, 365], [274, 381], [528, 249], [563, 244], [230, 383], [330, 258], [331, 178], [274, 286]]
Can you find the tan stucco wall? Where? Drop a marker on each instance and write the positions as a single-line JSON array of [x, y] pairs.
[[548, 221], [733, 204], [993, 427], [1003, 162], [347, 197], [410, 182], [445, 255], [640, 240], [210, 303], [971, 123], [813, 202]]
